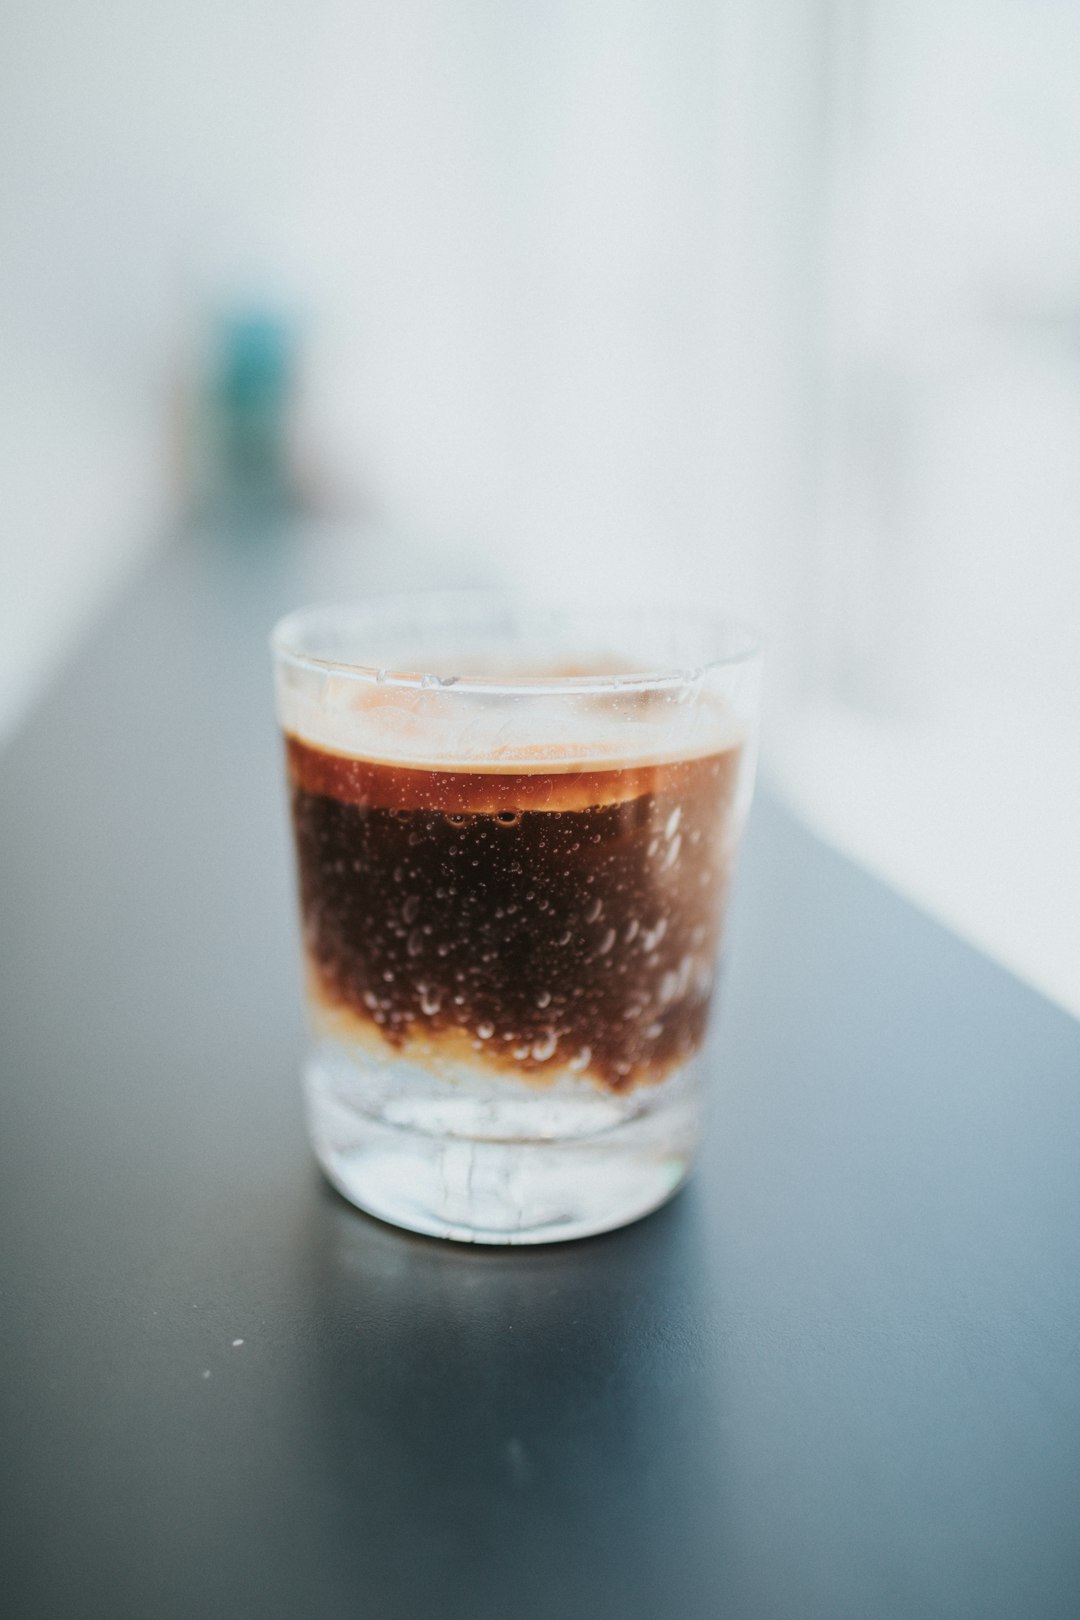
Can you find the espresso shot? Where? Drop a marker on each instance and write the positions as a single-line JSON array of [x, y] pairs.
[[555, 925]]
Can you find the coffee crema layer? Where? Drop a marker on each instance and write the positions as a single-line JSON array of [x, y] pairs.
[[561, 919]]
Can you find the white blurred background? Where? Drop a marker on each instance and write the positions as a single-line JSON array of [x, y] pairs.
[[776, 306]]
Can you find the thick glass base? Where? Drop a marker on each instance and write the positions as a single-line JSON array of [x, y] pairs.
[[484, 1160]]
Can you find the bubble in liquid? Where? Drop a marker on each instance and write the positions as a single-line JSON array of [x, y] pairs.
[[411, 908], [631, 930], [654, 845], [430, 999], [581, 1061], [456, 821], [415, 943], [371, 1000], [443, 949], [508, 818], [543, 999], [653, 1031], [564, 938], [669, 984], [606, 943], [485, 1030], [430, 682], [521, 1052], [672, 823], [388, 975], [594, 910], [673, 852], [543, 1048]]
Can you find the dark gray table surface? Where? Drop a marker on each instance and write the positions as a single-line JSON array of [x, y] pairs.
[[838, 1376]]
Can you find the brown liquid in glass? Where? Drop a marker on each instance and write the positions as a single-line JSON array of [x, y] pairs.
[[539, 921]]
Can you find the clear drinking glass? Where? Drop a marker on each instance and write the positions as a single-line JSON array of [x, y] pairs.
[[515, 828]]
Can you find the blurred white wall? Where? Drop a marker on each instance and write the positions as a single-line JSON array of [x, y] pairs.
[[551, 263], [937, 734]]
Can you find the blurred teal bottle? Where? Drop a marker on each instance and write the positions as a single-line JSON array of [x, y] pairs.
[[241, 474]]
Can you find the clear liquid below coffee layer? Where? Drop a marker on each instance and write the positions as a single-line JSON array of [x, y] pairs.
[[509, 977]]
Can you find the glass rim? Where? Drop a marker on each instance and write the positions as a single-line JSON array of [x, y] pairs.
[[285, 644]]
